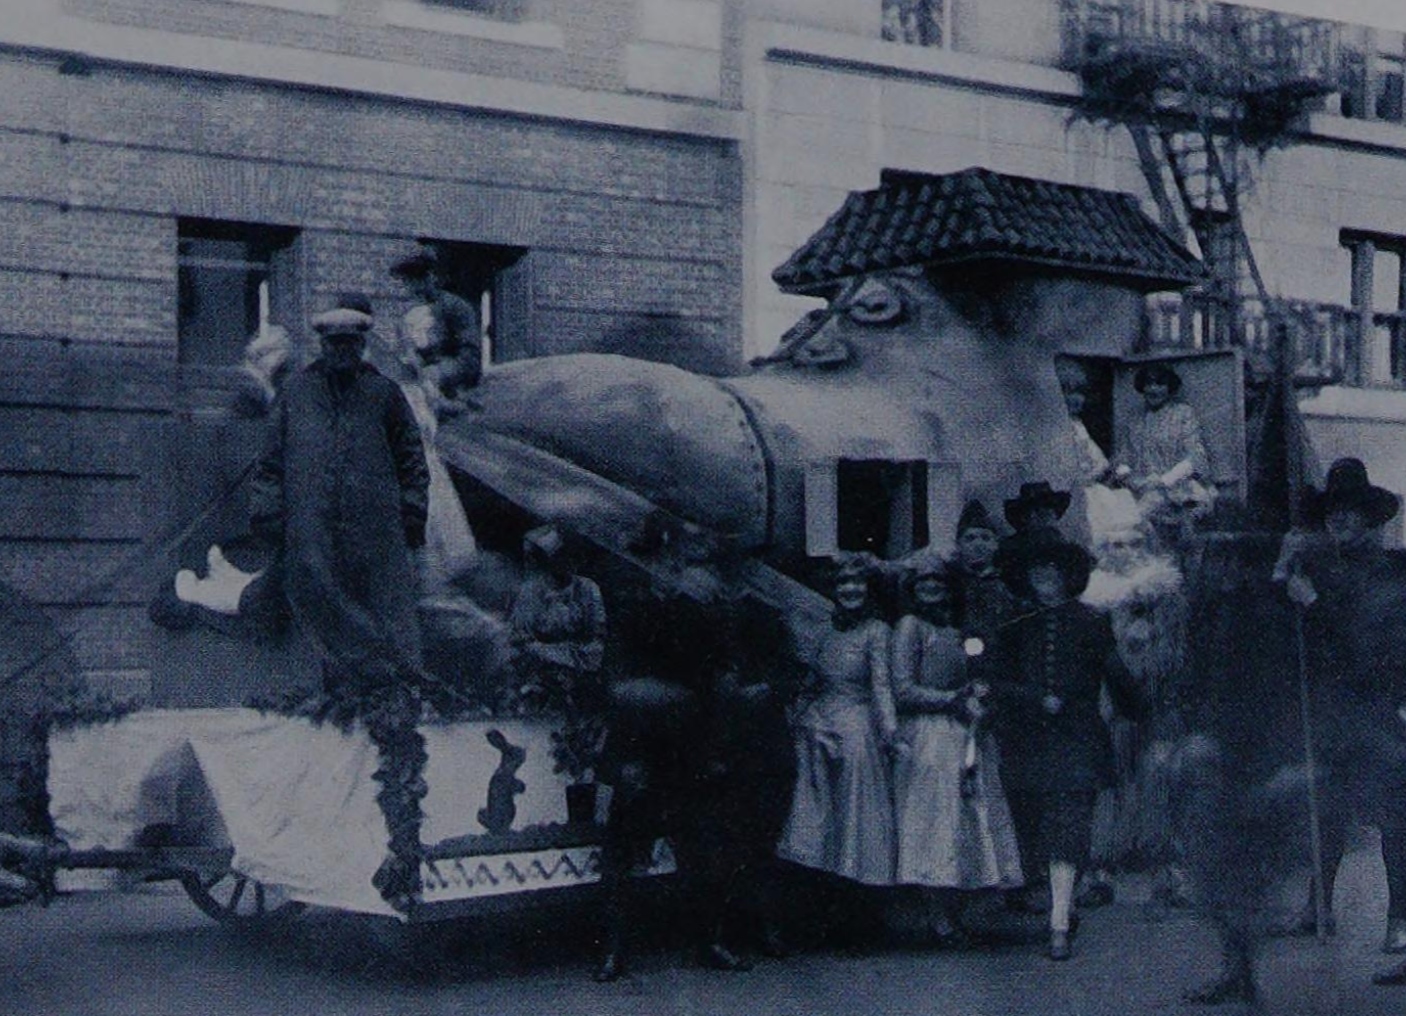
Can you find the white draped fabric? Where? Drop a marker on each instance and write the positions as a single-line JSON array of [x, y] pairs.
[[295, 801]]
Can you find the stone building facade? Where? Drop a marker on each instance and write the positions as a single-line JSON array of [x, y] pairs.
[[837, 93]]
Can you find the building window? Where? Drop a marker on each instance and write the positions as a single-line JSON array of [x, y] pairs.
[[918, 22], [1377, 341], [1373, 85], [234, 280]]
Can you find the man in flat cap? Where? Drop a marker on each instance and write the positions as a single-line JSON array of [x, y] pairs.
[[343, 484]]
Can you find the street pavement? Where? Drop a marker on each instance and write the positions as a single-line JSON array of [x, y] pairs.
[[111, 954]]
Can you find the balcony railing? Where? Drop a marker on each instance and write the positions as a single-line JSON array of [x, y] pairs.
[[1218, 47], [1331, 343], [918, 22]]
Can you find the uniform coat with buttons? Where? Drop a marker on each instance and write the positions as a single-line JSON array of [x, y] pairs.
[[343, 479], [1065, 651]]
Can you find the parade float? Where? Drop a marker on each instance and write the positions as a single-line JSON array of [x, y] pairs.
[[928, 377]]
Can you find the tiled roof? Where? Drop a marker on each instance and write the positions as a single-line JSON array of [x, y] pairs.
[[981, 216]]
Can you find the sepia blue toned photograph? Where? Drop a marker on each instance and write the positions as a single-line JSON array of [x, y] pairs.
[[702, 507]]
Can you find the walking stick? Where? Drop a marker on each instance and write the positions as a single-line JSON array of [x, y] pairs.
[[1294, 481], [1315, 830]]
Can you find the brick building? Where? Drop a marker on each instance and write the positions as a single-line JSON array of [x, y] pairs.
[[176, 172], [615, 175]]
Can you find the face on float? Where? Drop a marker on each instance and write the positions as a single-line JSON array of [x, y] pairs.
[[851, 591], [343, 352], [1345, 525], [1156, 392], [1047, 583], [976, 548]]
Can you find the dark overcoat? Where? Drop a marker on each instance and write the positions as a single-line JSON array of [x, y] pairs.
[[343, 478], [1067, 651]]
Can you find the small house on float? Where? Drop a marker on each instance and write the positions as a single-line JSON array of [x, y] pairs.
[[927, 378]]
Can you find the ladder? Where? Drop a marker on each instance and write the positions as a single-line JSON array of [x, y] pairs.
[[1203, 170]]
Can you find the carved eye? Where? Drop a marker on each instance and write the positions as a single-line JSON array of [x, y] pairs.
[[875, 303]]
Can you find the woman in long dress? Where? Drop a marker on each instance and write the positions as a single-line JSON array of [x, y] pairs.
[[954, 827], [841, 818]]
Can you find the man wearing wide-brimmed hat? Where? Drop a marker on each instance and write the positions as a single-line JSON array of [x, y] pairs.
[[1058, 654], [1038, 505], [342, 483], [1335, 574]]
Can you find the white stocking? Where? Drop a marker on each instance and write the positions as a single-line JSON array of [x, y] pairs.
[[1062, 875]]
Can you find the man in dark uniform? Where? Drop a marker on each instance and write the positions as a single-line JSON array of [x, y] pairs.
[[698, 748], [342, 483], [1056, 657], [1332, 573]]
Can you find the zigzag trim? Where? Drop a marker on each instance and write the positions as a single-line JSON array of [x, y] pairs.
[[468, 877]]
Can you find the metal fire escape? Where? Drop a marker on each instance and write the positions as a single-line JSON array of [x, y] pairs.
[[1203, 87]]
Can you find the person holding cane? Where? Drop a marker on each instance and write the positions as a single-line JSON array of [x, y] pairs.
[[1327, 572]]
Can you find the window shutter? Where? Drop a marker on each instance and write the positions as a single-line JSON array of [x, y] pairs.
[[821, 504], [945, 502]]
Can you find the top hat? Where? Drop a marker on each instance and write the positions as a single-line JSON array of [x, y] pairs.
[[974, 516], [1349, 488], [1149, 372], [1026, 550], [1035, 495]]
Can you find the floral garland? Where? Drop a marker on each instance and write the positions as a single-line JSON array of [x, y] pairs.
[[391, 715], [60, 706]]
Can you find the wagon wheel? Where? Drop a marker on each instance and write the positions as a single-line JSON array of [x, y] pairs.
[[238, 901]]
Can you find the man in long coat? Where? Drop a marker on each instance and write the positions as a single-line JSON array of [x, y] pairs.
[[1346, 584], [343, 483], [1056, 656]]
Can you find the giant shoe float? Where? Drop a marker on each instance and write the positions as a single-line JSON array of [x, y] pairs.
[[927, 378]]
